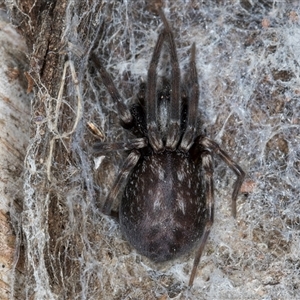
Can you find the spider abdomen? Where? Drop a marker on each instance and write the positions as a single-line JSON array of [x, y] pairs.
[[162, 213]]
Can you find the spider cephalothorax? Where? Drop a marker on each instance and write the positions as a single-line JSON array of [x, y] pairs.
[[168, 201]]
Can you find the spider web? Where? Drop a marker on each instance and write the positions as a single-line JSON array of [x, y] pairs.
[[248, 64]]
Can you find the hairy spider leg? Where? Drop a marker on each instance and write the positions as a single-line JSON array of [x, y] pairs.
[[155, 138], [214, 147], [209, 190], [193, 100], [129, 163], [127, 119], [123, 111], [173, 134], [208, 147], [137, 143]]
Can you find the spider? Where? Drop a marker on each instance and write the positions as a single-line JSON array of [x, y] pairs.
[[167, 207]]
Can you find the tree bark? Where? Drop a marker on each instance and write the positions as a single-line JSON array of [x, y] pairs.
[[14, 138]]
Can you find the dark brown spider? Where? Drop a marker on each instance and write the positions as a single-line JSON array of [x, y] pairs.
[[168, 202]]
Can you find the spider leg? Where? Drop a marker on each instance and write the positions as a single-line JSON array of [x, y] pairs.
[[138, 143], [189, 134], [128, 165], [122, 108], [213, 146], [173, 134], [154, 135], [209, 189]]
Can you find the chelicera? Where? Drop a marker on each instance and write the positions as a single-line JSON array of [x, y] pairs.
[[167, 206]]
